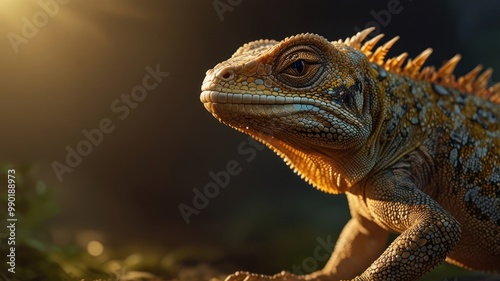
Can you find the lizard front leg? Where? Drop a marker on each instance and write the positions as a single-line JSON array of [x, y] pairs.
[[359, 244], [428, 232], [392, 202]]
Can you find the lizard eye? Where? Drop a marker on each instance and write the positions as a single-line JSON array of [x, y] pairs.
[[299, 66]]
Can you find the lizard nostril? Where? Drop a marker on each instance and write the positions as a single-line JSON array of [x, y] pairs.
[[227, 74]]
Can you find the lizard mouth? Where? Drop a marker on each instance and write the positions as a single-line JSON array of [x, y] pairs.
[[308, 111], [261, 104], [285, 118], [262, 113]]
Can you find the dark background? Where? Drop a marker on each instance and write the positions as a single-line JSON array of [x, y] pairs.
[[127, 191]]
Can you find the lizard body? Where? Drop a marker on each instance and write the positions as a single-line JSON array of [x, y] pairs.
[[416, 150]]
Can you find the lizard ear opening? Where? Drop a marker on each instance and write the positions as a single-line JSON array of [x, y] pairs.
[[349, 97]]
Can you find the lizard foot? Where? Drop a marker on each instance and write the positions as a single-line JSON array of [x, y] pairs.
[[247, 276]]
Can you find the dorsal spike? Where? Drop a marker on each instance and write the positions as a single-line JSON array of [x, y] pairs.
[[495, 92], [483, 93], [446, 70], [472, 82], [400, 60], [413, 66], [368, 46], [495, 98], [495, 88], [395, 63], [355, 41], [379, 54], [427, 73], [482, 81], [389, 63], [466, 82]]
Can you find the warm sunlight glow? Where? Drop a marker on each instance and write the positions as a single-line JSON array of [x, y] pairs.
[[14, 4], [11, 11], [45, 21]]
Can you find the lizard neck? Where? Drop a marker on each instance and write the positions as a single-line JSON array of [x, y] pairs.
[[329, 170], [404, 119]]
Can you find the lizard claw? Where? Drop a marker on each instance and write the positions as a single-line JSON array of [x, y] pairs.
[[247, 276], [286, 276]]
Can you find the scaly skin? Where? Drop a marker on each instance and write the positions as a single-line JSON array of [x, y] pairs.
[[415, 150]]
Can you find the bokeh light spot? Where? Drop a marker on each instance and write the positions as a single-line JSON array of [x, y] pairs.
[[95, 248]]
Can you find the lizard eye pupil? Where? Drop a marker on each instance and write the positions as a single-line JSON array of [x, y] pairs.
[[298, 66], [347, 99]]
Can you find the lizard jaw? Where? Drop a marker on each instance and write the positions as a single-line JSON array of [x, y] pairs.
[[312, 118]]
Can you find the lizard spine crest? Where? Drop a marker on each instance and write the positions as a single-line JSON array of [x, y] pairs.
[[471, 83]]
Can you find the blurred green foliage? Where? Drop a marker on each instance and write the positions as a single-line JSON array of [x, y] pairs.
[[36, 257]]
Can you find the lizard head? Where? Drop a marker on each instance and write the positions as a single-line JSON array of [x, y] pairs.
[[304, 97]]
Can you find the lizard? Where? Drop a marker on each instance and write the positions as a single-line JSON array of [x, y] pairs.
[[414, 148]]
